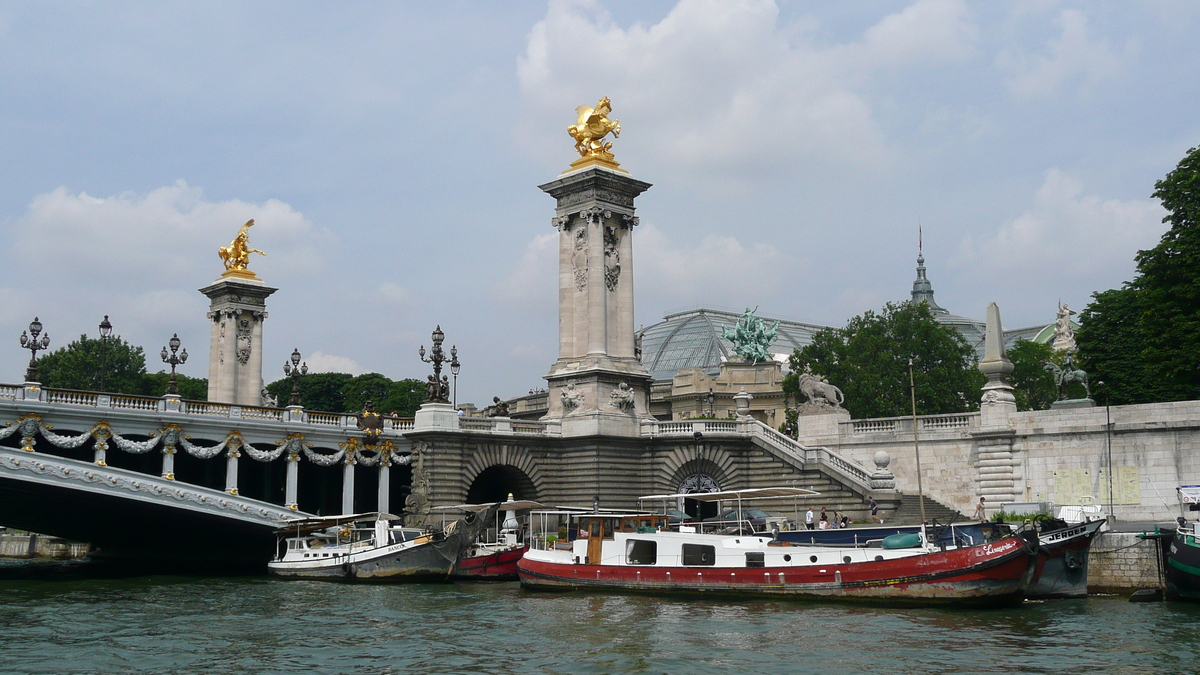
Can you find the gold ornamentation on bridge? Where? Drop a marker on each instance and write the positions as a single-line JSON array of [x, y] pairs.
[[236, 255], [589, 130]]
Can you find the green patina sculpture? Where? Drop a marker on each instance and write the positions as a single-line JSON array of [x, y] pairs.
[[751, 338]]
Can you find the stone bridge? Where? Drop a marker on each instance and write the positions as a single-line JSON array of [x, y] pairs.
[[175, 480]]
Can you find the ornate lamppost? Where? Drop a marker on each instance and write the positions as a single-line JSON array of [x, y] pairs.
[[295, 371], [106, 330], [712, 399], [175, 358], [455, 367], [437, 389], [34, 344]]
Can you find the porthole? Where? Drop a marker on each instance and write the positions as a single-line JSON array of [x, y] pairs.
[[878, 558], [787, 557], [845, 558], [812, 558]]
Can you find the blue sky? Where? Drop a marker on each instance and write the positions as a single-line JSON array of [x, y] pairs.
[[390, 154]]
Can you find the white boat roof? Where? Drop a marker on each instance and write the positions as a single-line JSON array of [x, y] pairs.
[[518, 505], [750, 493], [322, 522], [1190, 494]]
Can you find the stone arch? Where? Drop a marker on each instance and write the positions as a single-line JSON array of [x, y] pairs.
[[495, 469], [679, 461]]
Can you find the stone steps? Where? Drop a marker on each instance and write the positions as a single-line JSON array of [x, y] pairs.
[[909, 512]]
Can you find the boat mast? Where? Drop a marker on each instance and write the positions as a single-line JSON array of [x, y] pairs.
[[912, 387]]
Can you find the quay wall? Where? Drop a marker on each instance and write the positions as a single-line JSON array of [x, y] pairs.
[[1059, 456], [19, 545], [1120, 562]]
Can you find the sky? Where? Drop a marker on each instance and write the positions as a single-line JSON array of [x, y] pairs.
[[390, 155]]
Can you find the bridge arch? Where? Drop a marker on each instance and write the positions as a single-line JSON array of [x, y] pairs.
[[495, 470]]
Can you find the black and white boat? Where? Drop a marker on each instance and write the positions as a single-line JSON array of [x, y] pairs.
[[369, 547]]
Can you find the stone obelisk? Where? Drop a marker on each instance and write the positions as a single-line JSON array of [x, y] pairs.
[[597, 385], [238, 307]]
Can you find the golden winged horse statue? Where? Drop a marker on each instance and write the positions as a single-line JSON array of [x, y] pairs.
[[236, 255], [590, 128]]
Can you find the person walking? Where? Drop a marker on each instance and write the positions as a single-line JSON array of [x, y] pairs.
[[808, 519], [980, 513], [874, 506]]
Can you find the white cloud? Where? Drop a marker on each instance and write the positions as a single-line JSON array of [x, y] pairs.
[[1073, 57], [1066, 234], [169, 233], [319, 362], [716, 269], [392, 294], [718, 83], [534, 279]]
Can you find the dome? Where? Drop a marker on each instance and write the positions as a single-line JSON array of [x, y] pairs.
[[692, 339]]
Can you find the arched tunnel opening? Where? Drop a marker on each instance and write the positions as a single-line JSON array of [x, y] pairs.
[[494, 484]]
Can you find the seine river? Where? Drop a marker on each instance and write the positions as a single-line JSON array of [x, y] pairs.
[[69, 623]]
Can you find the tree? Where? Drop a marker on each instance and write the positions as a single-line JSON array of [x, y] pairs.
[[1033, 385], [868, 360], [345, 393], [191, 388], [1110, 340], [92, 364], [1143, 339]]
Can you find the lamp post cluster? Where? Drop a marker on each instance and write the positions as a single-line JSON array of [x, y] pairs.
[[173, 359], [35, 342], [437, 389], [295, 371]]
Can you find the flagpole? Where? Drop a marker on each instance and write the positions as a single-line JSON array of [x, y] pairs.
[[916, 442]]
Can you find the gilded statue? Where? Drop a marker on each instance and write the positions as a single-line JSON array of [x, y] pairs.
[[236, 255], [591, 127]]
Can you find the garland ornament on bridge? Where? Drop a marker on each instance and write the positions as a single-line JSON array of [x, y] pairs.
[[34, 344]]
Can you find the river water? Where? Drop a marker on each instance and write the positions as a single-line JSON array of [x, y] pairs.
[[71, 622]]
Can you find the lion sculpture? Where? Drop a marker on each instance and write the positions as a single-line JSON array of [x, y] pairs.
[[820, 392]]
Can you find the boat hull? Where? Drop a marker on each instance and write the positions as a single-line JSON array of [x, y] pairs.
[[1183, 568], [991, 574], [1065, 565], [497, 566]]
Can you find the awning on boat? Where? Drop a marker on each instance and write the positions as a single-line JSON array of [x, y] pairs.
[[749, 493], [304, 525], [1190, 494], [517, 505]]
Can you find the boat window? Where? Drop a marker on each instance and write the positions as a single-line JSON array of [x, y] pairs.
[[755, 559], [610, 526], [629, 525], [699, 554], [641, 552]]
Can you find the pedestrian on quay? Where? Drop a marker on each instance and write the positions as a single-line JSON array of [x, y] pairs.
[[808, 519], [874, 506], [980, 513], [824, 519], [845, 520]]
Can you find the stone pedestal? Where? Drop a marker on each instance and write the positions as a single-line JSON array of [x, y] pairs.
[[597, 373], [1073, 403], [435, 416], [818, 422], [237, 311]]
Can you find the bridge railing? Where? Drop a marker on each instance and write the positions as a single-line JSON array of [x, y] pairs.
[[904, 425], [849, 470]]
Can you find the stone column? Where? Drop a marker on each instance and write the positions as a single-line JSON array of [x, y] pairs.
[[231, 470], [168, 462], [596, 366], [998, 401], [237, 309], [385, 484], [348, 484], [293, 467]]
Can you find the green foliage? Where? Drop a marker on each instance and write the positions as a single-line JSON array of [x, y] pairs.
[[868, 360], [1143, 340], [92, 364], [191, 388], [1033, 385], [342, 392]]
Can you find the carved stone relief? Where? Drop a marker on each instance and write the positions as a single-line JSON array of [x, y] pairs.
[[612, 257], [243, 341]]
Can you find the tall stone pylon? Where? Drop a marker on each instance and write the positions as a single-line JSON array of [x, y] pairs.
[[597, 385], [237, 309], [998, 400]]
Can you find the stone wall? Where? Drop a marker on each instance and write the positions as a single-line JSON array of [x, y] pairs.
[[1059, 456], [1120, 562]]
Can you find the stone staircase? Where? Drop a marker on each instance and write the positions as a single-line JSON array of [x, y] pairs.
[[909, 512]]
